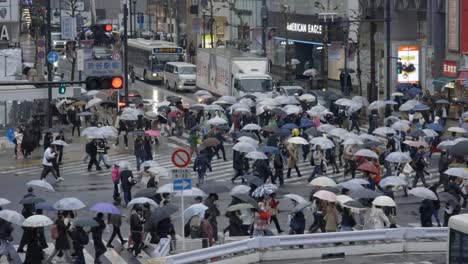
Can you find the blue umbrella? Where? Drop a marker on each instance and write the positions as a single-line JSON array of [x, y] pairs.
[[417, 133], [436, 127], [306, 123], [421, 107], [414, 91], [271, 150], [107, 208], [283, 132], [10, 133], [289, 126]]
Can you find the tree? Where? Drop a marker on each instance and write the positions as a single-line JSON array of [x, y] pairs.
[[70, 51]]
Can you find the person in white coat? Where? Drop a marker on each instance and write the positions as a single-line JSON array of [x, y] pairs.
[[376, 219]]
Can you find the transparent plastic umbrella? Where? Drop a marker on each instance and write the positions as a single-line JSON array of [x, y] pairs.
[[195, 210], [4, 201], [239, 189], [384, 131], [12, 217], [37, 221], [69, 204], [366, 153], [393, 181], [384, 201], [457, 172], [40, 184], [142, 200], [256, 155], [398, 157], [424, 193]]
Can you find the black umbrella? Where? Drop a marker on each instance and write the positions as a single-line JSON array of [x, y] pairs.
[[270, 128], [196, 108], [278, 111], [109, 104], [448, 198], [246, 134], [363, 194], [162, 213], [173, 98], [460, 149], [31, 200], [247, 199], [417, 133], [148, 193], [164, 108], [215, 187], [254, 180]]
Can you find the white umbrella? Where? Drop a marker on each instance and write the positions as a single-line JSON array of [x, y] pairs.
[[354, 108], [444, 145], [229, 99], [351, 185], [384, 201], [142, 200], [4, 201], [299, 199], [256, 155], [150, 163], [124, 164], [423, 192], [90, 131], [93, 92], [68, 204], [457, 172], [324, 143], [298, 140], [361, 100], [460, 130], [398, 157], [247, 101], [390, 102], [310, 72], [369, 137], [318, 108], [12, 217], [393, 181], [40, 184], [366, 153], [239, 189], [349, 135], [307, 98], [195, 210], [128, 117], [337, 132], [383, 131], [59, 143], [202, 93], [151, 115], [359, 181], [376, 105], [37, 221], [194, 192], [326, 195], [93, 102], [251, 127], [292, 109], [352, 141], [214, 107], [344, 102], [295, 61], [343, 198], [430, 133], [166, 188], [323, 181], [325, 128], [158, 170], [249, 140], [244, 147], [109, 131], [216, 121], [286, 100], [238, 106], [400, 126], [408, 105]]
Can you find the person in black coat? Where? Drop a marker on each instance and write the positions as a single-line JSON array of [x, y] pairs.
[[99, 247], [136, 230], [28, 210], [278, 165], [34, 253], [62, 245], [262, 169], [91, 150], [79, 239], [201, 165], [239, 164], [147, 147], [127, 182], [48, 138], [426, 210]]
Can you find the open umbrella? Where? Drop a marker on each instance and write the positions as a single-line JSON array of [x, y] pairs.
[[4, 201], [344, 102], [142, 200], [256, 155], [393, 181], [251, 127], [86, 222], [325, 143], [298, 140], [457, 172], [460, 130], [40, 184], [445, 145], [31, 200], [150, 115], [158, 170], [383, 131], [326, 195], [430, 133], [147, 192], [254, 180], [202, 93], [215, 187], [310, 72], [244, 147], [417, 133], [198, 107], [366, 153], [384, 201], [424, 193], [460, 148], [398, 157], [12, 217], [368, 167], [162, 213], [350, 185], [343, 198], [271, 150], [44, 206], [421, 107], [264, 190], [352, 141], [270, 128], [353, 204], [337, 132], [436, 127], [59, 143], [448, 198], [69, 204], [400, 126], [297, 198], [211, 142], [363, 194], [216, 121], [214, 107], [240, 206], [354, 108], [416, 144], [282, 132], [173, 98], [307, 98], [37, 221], [239, 189], [190, 193], [195, 210], [301, 206], [325, 128], [409, 105], [153, 133], [93, 102], [249, 140], [323, 181], [442, 101]]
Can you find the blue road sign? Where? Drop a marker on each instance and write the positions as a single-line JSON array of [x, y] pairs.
[[41, 54], [116, 56], [182, 184], [52, 57]]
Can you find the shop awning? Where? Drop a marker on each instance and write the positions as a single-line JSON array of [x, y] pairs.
[[442, 81]]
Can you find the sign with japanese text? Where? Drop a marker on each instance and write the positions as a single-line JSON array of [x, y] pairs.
[[449, 69], [102, 68], [453, 25]]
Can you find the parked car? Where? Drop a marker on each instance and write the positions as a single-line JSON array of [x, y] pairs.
[[180, 76]]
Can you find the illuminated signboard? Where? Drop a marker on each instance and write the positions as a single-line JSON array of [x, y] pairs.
[[409, 57], [167, 50]]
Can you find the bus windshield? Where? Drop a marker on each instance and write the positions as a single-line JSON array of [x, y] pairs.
[[159, 60], [256, 85]]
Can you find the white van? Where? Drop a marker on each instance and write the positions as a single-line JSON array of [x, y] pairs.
[[180, 76]]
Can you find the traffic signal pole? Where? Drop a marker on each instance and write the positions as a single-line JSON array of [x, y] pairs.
[[388, 50], [49, 66], [125, 52]]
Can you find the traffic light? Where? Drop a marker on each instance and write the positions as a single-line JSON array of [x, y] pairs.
[[62, 89], [102, 27], [399, 68], [104, 83]]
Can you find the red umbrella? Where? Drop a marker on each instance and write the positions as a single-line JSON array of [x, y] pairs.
[[153, 133], [368, 167], [175, 113]]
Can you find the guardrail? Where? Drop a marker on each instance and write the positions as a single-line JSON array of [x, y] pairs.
[[252, 244]]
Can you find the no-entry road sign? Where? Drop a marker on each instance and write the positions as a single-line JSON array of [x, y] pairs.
[[180, 158]]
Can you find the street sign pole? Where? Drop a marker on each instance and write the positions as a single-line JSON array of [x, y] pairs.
[[49, 66], [183, 220]]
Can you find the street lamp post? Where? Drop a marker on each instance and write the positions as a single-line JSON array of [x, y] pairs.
[[134, 19], [388, 49], [131, 20], [49, 65], [264, 27]]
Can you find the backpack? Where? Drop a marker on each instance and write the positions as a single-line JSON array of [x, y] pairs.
[[84, 239], [54, 234], [88, 147]]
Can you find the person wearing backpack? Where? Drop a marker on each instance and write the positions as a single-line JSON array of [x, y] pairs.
[[58, 232], [79, 239]]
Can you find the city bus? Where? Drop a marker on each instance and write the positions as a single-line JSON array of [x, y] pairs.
[[148, 57], [458, 239]]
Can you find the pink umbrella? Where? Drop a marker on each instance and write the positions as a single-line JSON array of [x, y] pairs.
[[153, 133]]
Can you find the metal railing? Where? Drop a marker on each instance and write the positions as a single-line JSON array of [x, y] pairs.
[[252, 244]]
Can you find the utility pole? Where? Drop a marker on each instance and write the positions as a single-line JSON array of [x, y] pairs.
[[264, 27], [131, 20], [204, 30], [49, 66], [372, 93], [388, 49], [134, 19], [125, 52], [211, 24]]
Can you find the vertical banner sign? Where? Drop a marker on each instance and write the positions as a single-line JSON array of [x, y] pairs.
[[453, 25], [409, 56], [68, 27], [80, 59], [464, 27]]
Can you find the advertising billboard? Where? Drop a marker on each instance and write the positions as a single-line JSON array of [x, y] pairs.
[[409, 58]]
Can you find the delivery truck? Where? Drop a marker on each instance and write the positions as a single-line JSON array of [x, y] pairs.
[[225, 71]]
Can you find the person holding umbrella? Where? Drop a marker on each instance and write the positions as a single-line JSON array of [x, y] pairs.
[[47, 163], [278, 165], [127, 182], [28, 210], [292, 160], [136, 229], [350, 162], [121, 127], [376, 219], [34, 253], [444, 162], [116, 221], [212, 212], [419, 166], [6, 247], [62, 244], [426, 210], [96, 231], [240, 165], [193, 140], [201, 165], [79, 239], [91, 150]]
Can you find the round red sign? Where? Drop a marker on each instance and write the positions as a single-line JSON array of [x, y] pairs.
[[180, 158]]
